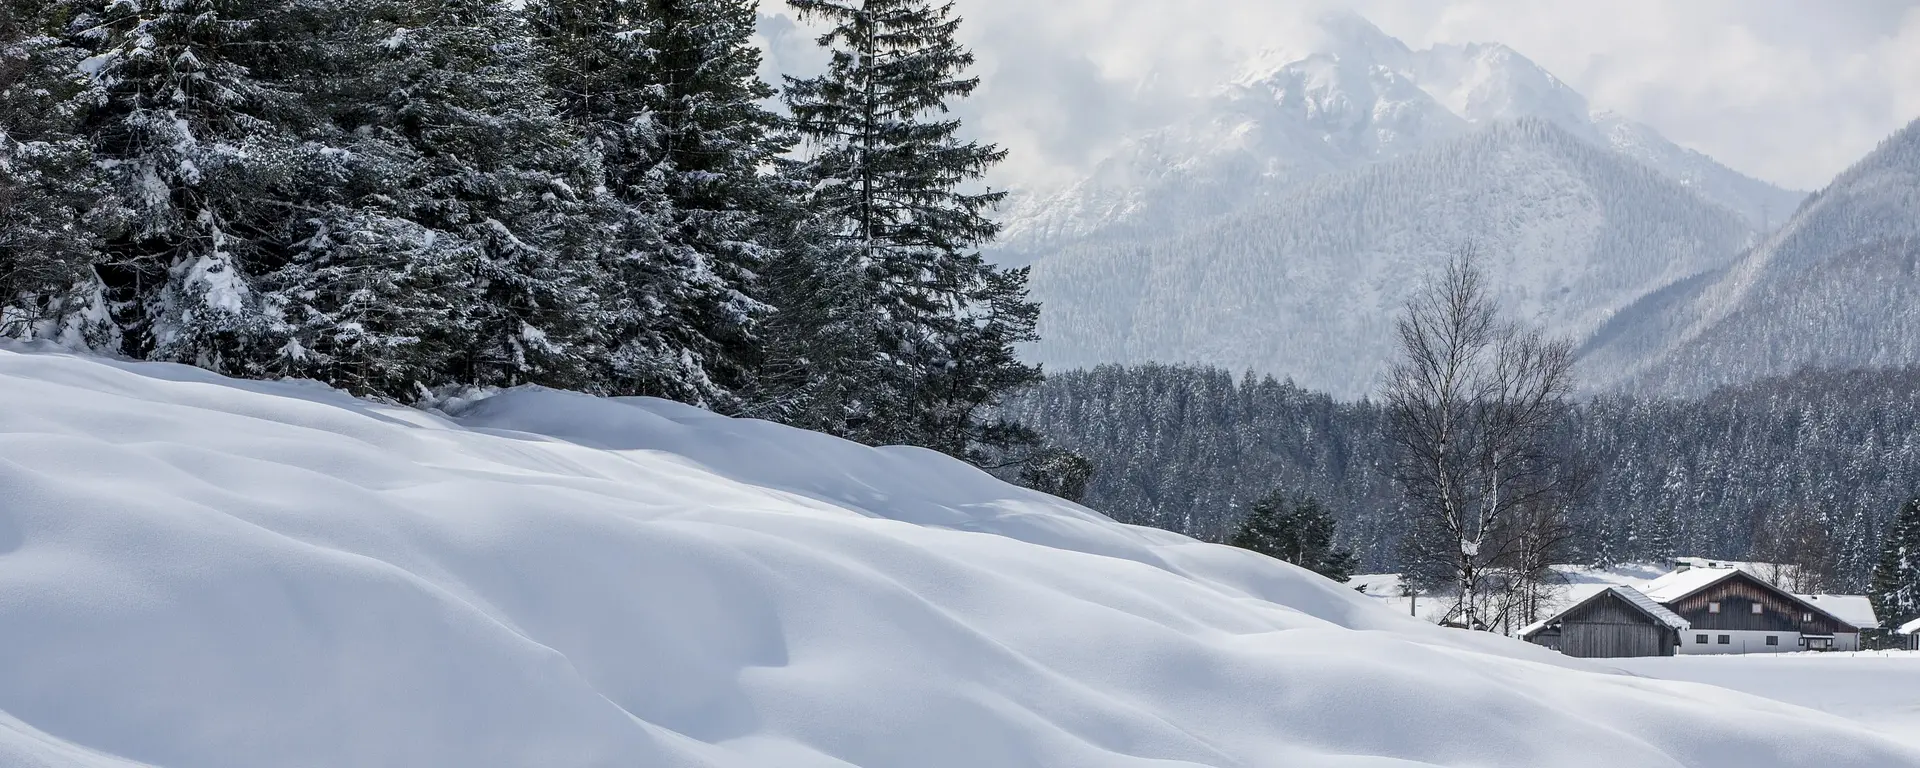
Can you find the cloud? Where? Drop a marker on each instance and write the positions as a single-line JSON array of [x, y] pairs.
[[1787, 90]]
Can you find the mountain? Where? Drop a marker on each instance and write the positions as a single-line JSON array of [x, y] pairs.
[[200, 571], [1307, 283], [1360, 97], [1838, 286]]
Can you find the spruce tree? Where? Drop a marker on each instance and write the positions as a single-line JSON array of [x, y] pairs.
[[1895, 589], [916, 341], [1299, 532], [198, 140], [55, 205], [503, 195], [670, 94]]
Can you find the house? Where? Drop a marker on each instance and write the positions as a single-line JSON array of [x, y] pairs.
[[1909, 633], [1733, 611], [1614, 622], [1852, 609]]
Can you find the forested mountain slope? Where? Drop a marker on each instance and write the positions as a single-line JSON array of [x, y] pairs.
[[1837, 287], [1187, 449], [1307, 283]]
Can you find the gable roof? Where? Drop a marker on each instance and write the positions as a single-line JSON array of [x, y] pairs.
[[1680, 585], [1910, 628], [1656, 612], [1852, 609]]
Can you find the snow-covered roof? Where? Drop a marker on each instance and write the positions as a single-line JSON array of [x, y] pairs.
[[1642, 601], [1910, 628], [1679, 584], [1639, 600], [1852, 609]]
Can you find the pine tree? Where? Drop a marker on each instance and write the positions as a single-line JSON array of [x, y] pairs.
[[492, 223], [670, 92], [1895, 590], [918, 340], [55, 206], [1300, 533], [198, 145]]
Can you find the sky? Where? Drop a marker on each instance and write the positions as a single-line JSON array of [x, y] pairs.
[[1790, 91]]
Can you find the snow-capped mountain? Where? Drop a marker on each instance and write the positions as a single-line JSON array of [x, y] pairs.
[[1359, 97], [1837, 286], [1307, 283]]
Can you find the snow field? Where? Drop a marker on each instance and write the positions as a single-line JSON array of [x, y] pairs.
[[196, 571]]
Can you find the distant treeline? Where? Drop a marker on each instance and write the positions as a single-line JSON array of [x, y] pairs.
[[1188, 449]]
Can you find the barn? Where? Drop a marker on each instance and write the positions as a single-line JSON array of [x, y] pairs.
[[1733, 611], [1615, 622]]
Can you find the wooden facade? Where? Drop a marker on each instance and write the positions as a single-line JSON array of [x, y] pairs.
[[1729, 604], [1607, 626]]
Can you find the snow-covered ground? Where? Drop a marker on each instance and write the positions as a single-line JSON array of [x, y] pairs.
[[201, 572], [1878, 688]]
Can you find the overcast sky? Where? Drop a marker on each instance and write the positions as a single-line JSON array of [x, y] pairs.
[[1790, 91]]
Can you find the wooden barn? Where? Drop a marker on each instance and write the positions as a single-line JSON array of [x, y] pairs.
[[1733, 611], [1615, 622]]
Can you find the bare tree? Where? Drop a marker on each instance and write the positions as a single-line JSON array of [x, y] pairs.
[[1473, 402]]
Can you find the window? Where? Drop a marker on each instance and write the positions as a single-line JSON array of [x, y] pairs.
[[1806, 617], [1700, 639], [1713, 607], [1758, 609], [1726, 640], [1773, 640]]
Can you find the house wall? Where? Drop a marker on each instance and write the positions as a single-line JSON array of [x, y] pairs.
[[1737, 596], [1738, 641], [1607, 628]]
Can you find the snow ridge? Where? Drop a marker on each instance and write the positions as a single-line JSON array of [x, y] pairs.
[[207, 572]]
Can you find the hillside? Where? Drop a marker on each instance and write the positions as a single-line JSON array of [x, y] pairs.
[[1838, 286], [1306, 283], [204, 572]]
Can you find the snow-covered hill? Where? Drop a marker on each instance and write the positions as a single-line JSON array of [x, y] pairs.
[[1308, 283], [1358, 97], [1837, 286], [202, 572]]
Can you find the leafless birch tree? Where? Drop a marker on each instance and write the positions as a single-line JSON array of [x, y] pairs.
[[1473, 402]]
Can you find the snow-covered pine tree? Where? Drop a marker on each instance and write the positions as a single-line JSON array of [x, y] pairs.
[[1895, 590], [55, 205], [198, 142], [889, 171], [502, 193], [669, 91]]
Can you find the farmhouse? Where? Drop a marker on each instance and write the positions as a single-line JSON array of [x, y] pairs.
[[1615, 622], [1733, 611], [1703, 611]]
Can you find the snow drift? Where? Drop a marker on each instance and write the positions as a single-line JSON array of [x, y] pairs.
[[196, 571]]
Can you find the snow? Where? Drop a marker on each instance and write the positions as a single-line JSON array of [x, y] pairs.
[[1910, 628], [1679, 584], [1874, 688], [1852, 609], [196, 571]]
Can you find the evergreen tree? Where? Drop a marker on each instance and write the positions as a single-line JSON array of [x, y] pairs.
[[198, 140], [1060, 472], [1895, 590], [1300, 533], [669, 91], [55, 206], [917, 340], [488, 226]]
